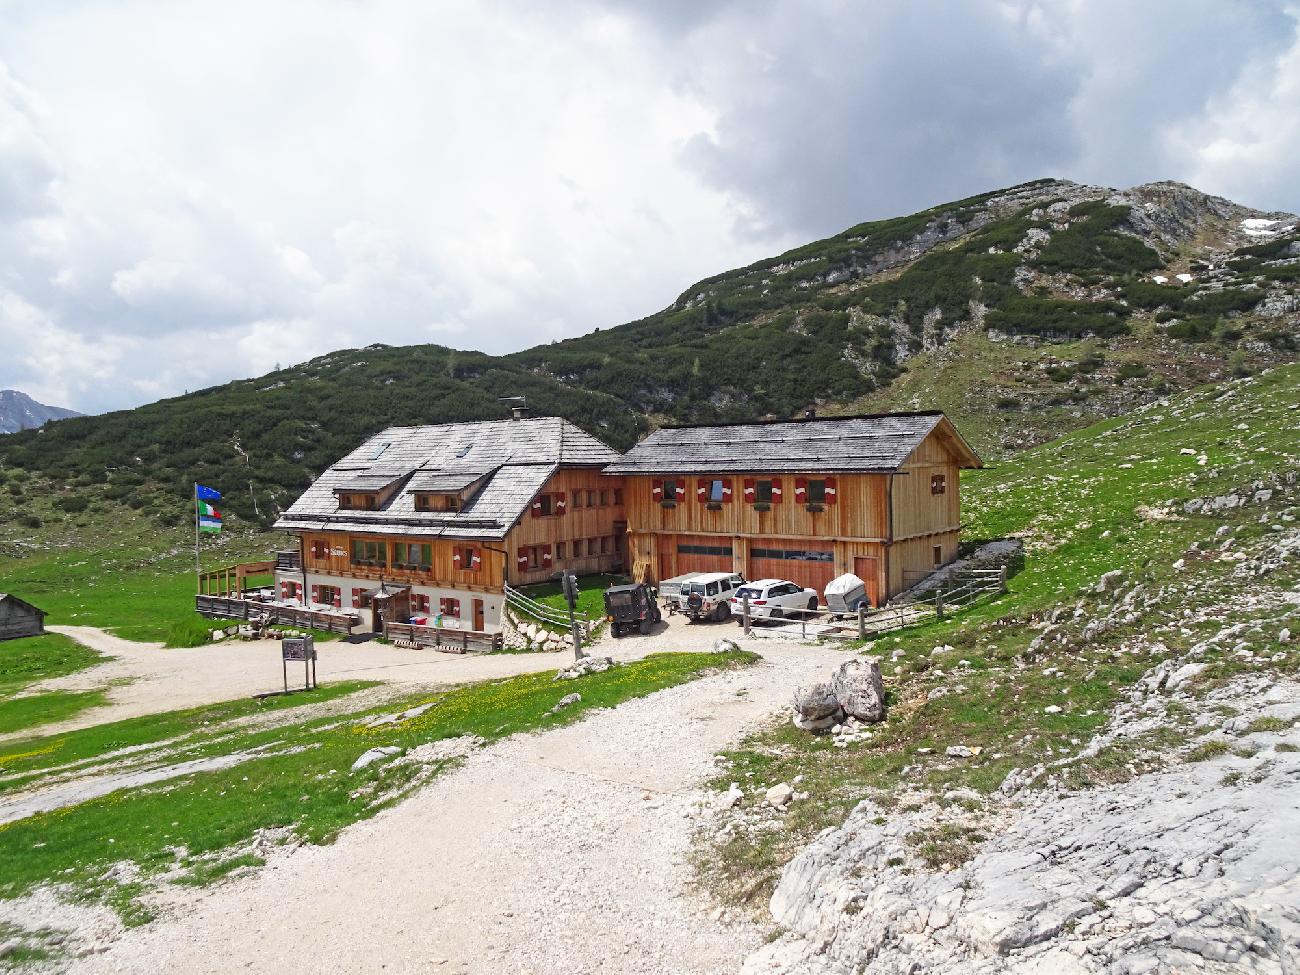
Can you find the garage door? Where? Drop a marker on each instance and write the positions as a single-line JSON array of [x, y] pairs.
[[808, 564], [695, 553]]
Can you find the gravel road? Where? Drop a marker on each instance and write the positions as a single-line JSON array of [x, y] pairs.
[[146, 678], [557, 852]]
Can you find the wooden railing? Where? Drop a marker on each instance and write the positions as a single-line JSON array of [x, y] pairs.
[[444, 638], [226, 608], [231, 579], [288, 561]]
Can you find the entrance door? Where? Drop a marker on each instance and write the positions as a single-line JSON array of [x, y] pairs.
[[867, 568], [478, 615]]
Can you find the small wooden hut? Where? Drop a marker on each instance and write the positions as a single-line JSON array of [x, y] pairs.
[[19, 618]]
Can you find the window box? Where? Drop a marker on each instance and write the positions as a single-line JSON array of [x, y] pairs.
[[668, 504], [762, 505], [814, 507], [713, 506]]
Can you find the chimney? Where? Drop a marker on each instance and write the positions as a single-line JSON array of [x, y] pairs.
[[518, 406]]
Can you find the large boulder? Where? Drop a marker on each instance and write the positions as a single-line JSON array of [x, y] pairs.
[[816, 708], [859, 690]]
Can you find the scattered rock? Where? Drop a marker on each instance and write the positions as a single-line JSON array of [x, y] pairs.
[[816, 707], [374, 755], [780, 795], [726, 646], [585, 666], [1109, 579], [564, 702], [859, 690]]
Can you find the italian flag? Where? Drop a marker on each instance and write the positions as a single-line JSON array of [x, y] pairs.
[[209, 517]]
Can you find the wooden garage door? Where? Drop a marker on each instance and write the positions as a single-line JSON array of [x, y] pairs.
[[695, 553], [809, 564]]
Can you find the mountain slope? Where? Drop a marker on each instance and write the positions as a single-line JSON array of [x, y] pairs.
[[18, 411], [1023, 312]]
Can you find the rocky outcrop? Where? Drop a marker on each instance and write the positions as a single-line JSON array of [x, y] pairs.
[[1189, 869], [859, 690]]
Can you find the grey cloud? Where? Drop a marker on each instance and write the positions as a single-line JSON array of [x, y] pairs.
[[868, 110]]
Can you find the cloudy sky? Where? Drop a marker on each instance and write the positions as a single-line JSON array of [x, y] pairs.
[[192, 192]]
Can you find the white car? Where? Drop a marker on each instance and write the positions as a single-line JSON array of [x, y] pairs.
[[773, 599], [703, 595]]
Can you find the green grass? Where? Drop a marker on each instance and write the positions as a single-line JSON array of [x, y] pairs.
[[29, 757], [311, 791], [20, 713], [591, 596], [33, 658]]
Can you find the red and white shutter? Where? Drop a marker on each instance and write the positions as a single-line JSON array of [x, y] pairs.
[[831, 493], [681, 489], [751, 492], [537, 507], [474, 560], [546, 554], [284, 589], [315, 594], [801, 490], [455, 559], [776, 490], [656, 490], [338, 598], [561, 505], [521, 559], [726, 490], [356, 598], [702, 491]]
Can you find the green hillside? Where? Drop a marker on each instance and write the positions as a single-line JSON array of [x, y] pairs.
[[1023, 312]]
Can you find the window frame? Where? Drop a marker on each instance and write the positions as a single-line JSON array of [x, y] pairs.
[[939, 483], [759, 485]]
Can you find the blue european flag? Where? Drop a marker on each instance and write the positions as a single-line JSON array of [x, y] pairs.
[[206, 493]]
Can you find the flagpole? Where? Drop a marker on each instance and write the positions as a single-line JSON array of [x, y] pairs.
[[198, 584]]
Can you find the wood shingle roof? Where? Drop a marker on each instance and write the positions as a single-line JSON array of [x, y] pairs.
[[514, 457], [864, 444]]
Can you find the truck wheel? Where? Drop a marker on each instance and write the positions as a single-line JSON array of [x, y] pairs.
[[721, 613], [776, 614], [812, 605], [644, 628], [616, 630]]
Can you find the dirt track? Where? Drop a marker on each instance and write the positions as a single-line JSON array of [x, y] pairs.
[[557, 852]]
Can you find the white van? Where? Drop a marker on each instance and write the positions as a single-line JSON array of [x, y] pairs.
[[704, 595]]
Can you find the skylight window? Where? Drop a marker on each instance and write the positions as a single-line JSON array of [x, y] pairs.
[[379, 453], [464, 450]]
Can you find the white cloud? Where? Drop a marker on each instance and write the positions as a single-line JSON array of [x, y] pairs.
[[230, 186]]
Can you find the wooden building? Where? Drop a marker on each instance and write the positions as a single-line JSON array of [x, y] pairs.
[[435, 520], [803, 500], [19, 618]]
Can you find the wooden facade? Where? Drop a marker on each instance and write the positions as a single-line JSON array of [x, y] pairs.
[[19, 618], [890, 529], [575, 523]]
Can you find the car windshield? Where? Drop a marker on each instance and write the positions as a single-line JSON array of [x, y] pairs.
[[620, 598], [749, 591]]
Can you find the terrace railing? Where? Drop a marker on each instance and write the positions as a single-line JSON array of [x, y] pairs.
[[443, 638], [228, 608]]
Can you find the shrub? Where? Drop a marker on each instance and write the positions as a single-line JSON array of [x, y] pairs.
[[1008, 403], [73, 503], [1131, 370]]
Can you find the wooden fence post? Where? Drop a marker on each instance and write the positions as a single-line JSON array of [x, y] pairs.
[[1002, 579], [862, 621], [744, 611], [938, 601]]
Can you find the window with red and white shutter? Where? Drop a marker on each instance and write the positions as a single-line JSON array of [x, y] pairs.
[[547, 554], [832, 494], [521, 559], [776, 490], [702, 491], [561, 503], [726, 490], [315, 594], [801, 490], [751, 490], [656, 490]]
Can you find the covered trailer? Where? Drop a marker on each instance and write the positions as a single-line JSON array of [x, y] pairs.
[[845, 593]]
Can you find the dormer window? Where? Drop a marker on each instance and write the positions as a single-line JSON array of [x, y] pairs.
[[437, 502], [358, 502]]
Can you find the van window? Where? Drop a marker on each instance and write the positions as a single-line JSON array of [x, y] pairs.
[[712, 589]]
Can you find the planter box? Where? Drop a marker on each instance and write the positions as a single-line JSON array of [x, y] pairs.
[[762, 505], [668, 504], [816, 507]]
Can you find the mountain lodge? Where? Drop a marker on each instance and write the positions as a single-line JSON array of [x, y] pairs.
[[433, 524]]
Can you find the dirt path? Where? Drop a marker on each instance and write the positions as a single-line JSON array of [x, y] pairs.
[[146, 678], [558, 852]]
